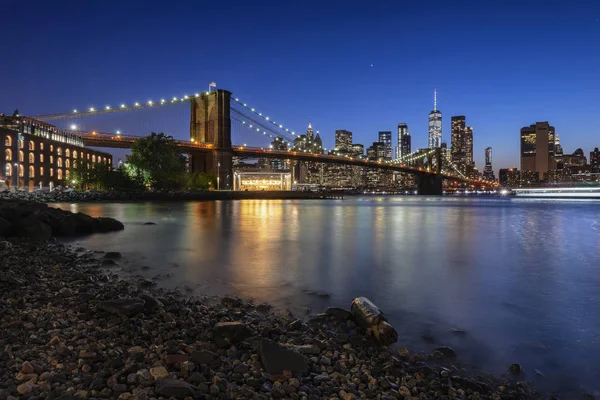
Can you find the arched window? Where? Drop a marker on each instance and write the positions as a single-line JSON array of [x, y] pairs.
[[21, 170], [88, 156], [51, 159], [67, 173], [74, 163], [31, 145], [51, 171], [59, 151], [41, 146], [8, 169], [41, 171], [8, 141], [8, 154], [67, 163], [21, 156], [31, 172], [59, 163], [59, 174], [67, 153], [74, 153], [31, 158], [94, 158], [51, 147], [21, 143], [41, 157]]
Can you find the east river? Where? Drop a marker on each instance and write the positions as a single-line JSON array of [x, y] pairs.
[[500, 280]]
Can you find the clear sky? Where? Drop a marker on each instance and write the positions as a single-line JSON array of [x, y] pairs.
[[358, 65]]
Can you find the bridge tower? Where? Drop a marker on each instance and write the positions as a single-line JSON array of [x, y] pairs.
[[431, 185], [210, 122]]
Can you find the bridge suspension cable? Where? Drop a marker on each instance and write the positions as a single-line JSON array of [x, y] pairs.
[[260, 115], [92, 111], [256, 124]]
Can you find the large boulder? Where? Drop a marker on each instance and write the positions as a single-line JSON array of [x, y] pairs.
[[5, 226], [276, 358], [106, 224], [31, 227], [228, 333]]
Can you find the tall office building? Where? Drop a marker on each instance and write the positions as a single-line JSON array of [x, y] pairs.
[[488, 171], [538, 145], [461, 151], [595, 161], [343, 140], [404, 144], [435, 124], [376, 152], [358, 150], [385, 137], [509, 177]]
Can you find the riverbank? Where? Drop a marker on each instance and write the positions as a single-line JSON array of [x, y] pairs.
[[71, 330], [77, 196]]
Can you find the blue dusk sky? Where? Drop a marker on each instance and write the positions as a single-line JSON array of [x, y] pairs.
[[363, 66]]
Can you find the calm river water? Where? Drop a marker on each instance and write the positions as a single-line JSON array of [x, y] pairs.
[[520, 278]]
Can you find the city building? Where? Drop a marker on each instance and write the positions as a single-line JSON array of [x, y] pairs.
[[308, 171], [538, 143], [260, 180], [385, 137], [488, 171], [469, 146], [435, 125], [404, 142], [358, 150], [278, 163], [595, 161], [39, 155], [509, 177], [376, 152], [343, 141]]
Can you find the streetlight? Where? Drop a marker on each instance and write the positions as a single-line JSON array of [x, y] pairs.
[[73, 127]]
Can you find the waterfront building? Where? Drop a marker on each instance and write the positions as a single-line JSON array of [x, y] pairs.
[[39, 155], [260, 180], [435, 125], [538, 144], [595, 161], [376, 152], [385, 137], [488, 171], [509, 177], [404, 141], [461, 151], [308, 171], [343, 141], [358, 150]]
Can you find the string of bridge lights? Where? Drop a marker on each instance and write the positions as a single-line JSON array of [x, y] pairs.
[[266, 118]]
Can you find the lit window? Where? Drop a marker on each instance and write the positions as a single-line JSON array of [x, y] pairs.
[[8, 169], [67, 173], [41, 157], [31, 145], [94, 158], [21, 171], [59, 163], [67, 153], [59, 174], [41, 171], [51, 147], [21, 144], [67, 163], [59, 151], [51, 159], [8, 141], [41, 146], [31, 172], [21, 156], [8, 154], [74, 153], [31, 158], [51, 171]]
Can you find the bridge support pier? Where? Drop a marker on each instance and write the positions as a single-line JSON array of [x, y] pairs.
[[430, 185], [210, 122]]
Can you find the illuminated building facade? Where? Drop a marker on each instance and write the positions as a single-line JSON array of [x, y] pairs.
[[309, 171], [595, 161], [343, 141], [39, 155], [488, 171], [278, 163], [262, 181], [358, 150], [435, 125], [538, 144], [509, 177], [385, 137], [404, 145]]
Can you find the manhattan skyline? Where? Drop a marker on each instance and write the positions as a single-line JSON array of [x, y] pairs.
[[348, 67]]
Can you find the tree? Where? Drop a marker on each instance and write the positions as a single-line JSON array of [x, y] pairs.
[[98, 176], [157, 162], [201, 181]]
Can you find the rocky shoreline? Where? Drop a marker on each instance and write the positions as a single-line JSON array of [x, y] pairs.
[[72, 330]]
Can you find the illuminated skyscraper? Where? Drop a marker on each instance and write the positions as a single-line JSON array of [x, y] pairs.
[[488, 171], [385, 137], [404, 144], [435, 124], [595, 160], [461, 152], [343, 140], [538, 146]]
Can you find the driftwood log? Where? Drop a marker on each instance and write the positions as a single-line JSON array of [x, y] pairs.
[[372, 318]]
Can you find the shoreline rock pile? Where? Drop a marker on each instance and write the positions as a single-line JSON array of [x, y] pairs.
[[38, 221], [70, 331]]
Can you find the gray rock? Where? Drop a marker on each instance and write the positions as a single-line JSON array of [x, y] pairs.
[[112, 255], [446, 351], [276, 358], [338, 313], [204, 357], [109, 263], [515, 368], [174, 388], [227, 333], [151, 302], [106, 224], [123, 307]]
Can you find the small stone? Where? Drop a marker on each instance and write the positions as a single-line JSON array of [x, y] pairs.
[[326, 361], [446, 351], [227, 333], [203, 357], [515, 368], [276, 358], [159, 373], [123, 307], [65, 292], [27, 368], [46, 376], [174, 388], [403, 351], [176, 358], [404, 391], [119, 388], [309, 349], [24, 388], [347, 396]]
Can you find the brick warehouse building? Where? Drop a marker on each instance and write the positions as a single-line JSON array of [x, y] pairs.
[[36, 154]]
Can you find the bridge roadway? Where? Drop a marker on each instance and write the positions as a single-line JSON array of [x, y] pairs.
[[124, 142]]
